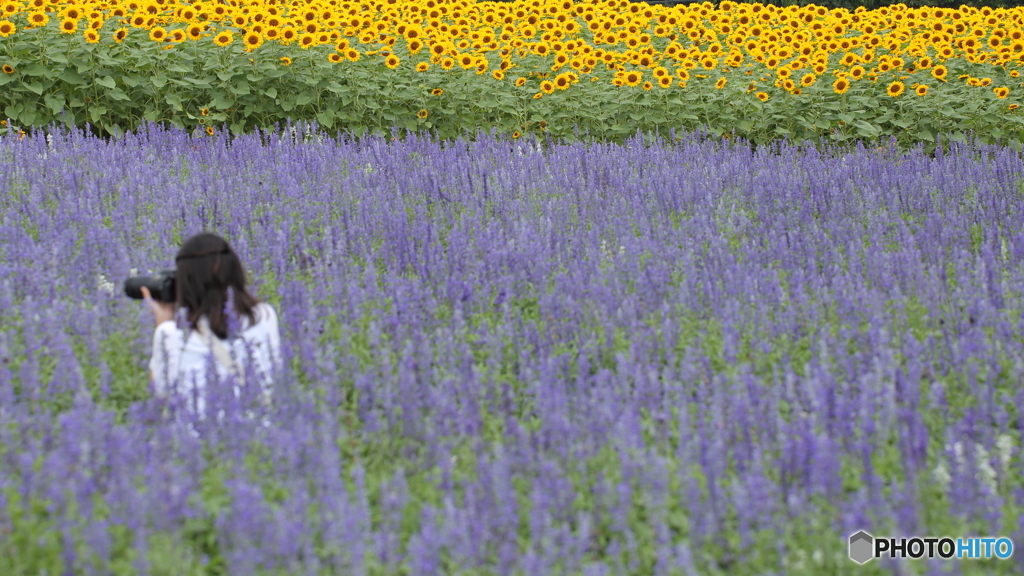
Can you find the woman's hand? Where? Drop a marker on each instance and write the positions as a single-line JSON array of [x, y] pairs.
[[162, 311]]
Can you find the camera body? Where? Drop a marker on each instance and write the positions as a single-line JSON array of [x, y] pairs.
[[161, 286]]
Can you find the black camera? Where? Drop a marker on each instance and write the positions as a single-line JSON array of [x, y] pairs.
[[161, 286]]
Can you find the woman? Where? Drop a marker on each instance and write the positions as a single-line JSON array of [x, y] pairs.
[[225, 331]]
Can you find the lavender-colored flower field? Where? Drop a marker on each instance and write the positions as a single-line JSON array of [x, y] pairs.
[[509, 359]]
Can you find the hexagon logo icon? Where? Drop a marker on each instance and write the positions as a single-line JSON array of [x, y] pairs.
[[861, 547]]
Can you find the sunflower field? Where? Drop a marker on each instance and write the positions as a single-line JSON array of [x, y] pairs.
[[602, 69]]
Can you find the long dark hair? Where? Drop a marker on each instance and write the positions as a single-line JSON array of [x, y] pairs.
[[206, 268]]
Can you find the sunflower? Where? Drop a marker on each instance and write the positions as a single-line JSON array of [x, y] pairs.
[[498, 75], [422, 114], [647, 85], [286, 61], [857, 72], [895, 89], [633, 78], [807, 80], [194, 31], [392, 61], [665, 81], [720, 83], [921, 89], [1001, 92], [447, 63], [335, 58], [436, 92], [69, 26], [841, 85], [538, 95], [288, 35], [516, 134], [1013, 107], [940, 73], [762, 96], [91, 36], [547, 87], [223, 39], [209, 130], [8, 69], [38, 19], [7, 28], [120, 34], [520, 81], [252, 41]]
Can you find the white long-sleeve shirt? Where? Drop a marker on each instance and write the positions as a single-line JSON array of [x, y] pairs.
[[182, 366]]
